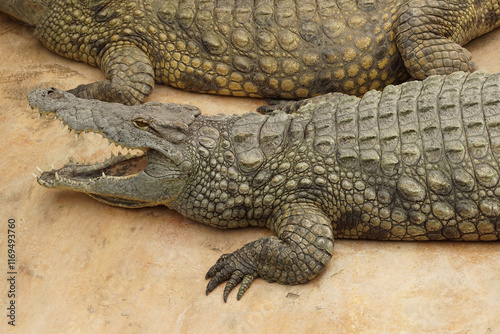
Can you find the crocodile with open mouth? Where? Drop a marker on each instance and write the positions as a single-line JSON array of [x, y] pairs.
[[418, 161], [286, 49]]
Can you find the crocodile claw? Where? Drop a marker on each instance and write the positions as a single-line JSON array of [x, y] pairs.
[[230, 268]]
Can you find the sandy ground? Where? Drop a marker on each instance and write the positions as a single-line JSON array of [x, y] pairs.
[[86, 267]]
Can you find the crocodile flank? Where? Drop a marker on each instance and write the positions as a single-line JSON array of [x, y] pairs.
[[418, 161], [283, 49]]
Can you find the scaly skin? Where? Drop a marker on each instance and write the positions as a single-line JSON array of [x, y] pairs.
[[419, 161], [27, 12], [287, 49]]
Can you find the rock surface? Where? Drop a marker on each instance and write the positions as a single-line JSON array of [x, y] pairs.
[[83, 266]]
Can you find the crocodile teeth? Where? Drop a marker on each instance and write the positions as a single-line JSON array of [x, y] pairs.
[[38, 116], [76, 136], [103, 175], [36, 177], [57, 177], [52, 167], [39, 169]]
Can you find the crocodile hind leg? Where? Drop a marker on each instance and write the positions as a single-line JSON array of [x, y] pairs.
[[303, 247], [429, 34], [130, 77]]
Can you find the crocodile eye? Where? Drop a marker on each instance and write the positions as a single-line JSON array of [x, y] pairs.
[[141, 124]]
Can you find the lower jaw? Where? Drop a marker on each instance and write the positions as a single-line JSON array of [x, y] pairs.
[[119, 167]]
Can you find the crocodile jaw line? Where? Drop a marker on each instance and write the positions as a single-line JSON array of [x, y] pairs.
[[119, 170]]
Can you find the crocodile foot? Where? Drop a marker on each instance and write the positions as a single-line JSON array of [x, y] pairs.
[[303, 247], [130, 77], [235, 268]]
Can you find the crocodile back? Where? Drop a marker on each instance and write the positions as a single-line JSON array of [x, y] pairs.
[[416, 161], [290, 48]]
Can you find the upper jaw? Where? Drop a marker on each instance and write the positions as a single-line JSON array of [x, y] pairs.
[[118, 123]]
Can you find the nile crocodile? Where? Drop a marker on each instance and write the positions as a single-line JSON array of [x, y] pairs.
[[419, 161], [285, 49]]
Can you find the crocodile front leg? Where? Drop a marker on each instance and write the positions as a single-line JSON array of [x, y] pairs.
[[130, 77], [303, 247], [429, 35]]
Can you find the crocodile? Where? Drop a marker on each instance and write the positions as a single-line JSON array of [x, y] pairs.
[[418, 161], [281, 49]]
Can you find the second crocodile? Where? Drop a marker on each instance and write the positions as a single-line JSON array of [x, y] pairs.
[[287, 49]]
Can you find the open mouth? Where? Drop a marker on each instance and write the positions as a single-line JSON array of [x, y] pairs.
[[152, 170], [120, 166], [117, 168], [114, 170]]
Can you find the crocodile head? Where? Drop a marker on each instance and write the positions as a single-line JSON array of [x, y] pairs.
[[152, 177], [28, 12]]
